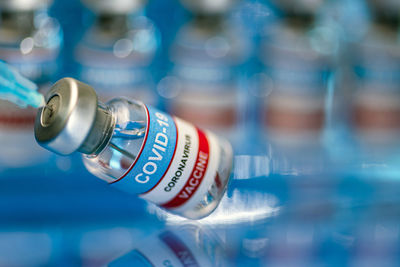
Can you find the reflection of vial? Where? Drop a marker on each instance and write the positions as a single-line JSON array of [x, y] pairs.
[[115, 53], [30, 41], [137, 148], [186, 245]]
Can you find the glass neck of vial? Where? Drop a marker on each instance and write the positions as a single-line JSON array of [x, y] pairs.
[[390, 22], [300, 20], [101, 132], [209, 23], [112, 23], [21, 21]]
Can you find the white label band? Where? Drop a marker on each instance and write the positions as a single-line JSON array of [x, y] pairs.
[[187, 169], [175, 162]]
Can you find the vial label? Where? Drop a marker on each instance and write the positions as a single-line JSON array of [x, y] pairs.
[[215, 110], [41, 65], [129, 76], [206, 94], [176, 164]]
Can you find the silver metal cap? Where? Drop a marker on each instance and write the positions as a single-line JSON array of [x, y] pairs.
[[115, 6], [24, 5], [72, 119]]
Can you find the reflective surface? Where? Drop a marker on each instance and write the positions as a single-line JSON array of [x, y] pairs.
[[316, 175]]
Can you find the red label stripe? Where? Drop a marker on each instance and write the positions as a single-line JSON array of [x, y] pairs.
[[197, 175]]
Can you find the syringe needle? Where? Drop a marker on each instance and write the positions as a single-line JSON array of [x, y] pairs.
[[17, 89]]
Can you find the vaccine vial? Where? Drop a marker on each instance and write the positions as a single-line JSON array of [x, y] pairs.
[[30, 41], [203, 84], [295, 83], [294, 87], [376, 97], [137, 148], [117, 50]]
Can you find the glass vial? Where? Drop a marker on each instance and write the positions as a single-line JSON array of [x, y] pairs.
[[203, 85], [118, 49], [183, 245], [137, 148]]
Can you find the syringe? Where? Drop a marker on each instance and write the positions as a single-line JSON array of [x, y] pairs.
[[18, 89]]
